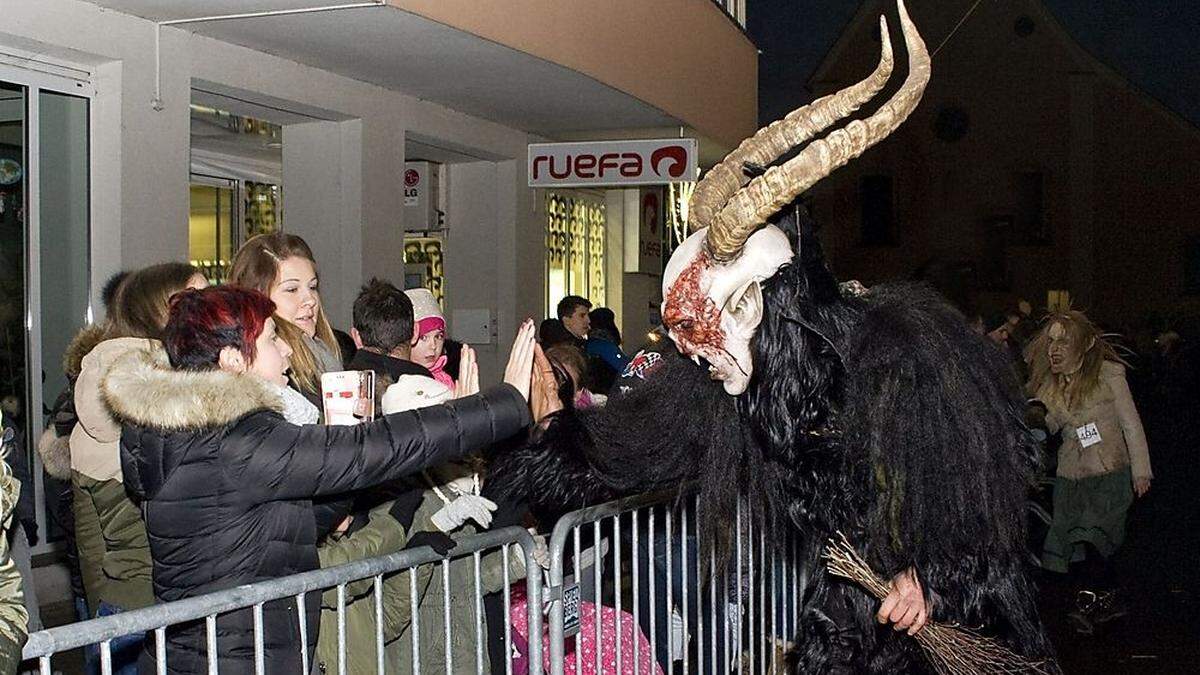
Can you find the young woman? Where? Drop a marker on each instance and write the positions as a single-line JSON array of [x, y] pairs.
[[227, 483], [282, 267], [1103, 460], [114, 558]]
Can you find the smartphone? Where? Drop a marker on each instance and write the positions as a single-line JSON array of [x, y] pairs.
[[348, 396]]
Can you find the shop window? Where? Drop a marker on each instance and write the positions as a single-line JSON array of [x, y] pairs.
[[423, 266], [575, 248], [236, 163]]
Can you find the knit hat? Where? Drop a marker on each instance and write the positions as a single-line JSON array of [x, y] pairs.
[[427, 314]]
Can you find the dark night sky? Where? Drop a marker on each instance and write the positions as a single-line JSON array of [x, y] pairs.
[[1151, 42]]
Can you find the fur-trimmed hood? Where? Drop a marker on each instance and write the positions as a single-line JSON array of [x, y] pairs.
[[141, 388], [83, 342]]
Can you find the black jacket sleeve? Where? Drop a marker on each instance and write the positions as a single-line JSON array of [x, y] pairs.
[[276, 460]]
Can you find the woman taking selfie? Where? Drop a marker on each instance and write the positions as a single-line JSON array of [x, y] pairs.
[[227, 483]]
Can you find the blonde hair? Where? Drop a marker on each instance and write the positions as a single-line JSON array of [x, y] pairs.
[[140, 304], [256, 265], [1067, 391]]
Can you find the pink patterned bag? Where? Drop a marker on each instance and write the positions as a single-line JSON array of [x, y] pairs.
[[608, 641]]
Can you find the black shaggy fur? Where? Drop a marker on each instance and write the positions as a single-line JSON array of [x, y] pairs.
[[882, 417], [907, 437], [646, 438]]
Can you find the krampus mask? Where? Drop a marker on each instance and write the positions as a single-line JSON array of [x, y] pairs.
[[712, 285]]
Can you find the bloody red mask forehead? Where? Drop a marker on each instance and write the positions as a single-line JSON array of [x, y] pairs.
[[692, 317]]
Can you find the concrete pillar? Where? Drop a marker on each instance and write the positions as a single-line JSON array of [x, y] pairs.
[[381, 175], [472, 261], [322, 202]]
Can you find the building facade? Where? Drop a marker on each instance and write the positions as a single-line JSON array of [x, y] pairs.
[[132, 133], [1030, 168]]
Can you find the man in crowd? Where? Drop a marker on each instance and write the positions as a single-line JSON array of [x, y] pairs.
[[573, 312], [382, 331]]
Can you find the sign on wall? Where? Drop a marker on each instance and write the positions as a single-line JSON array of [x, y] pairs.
[[613, 163]]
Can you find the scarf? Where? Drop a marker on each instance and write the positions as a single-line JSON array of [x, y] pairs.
[[297, 409]]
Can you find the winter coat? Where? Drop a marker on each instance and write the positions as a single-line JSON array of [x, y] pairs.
[[1122, 441], [14, 618], [382, 535], [114, 555], [431, 609], [54, 447], [226, 486]]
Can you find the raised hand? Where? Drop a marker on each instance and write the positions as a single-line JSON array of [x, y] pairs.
[[543, 397], [468, 374], [519, 371]]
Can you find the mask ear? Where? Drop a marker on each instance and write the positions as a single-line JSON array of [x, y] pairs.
[[745, 306]]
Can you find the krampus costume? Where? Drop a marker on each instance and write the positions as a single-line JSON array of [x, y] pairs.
[[877, 414]]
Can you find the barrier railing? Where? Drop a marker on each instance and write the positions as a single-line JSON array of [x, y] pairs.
[[629, 583], [689, 610], [155, 620]]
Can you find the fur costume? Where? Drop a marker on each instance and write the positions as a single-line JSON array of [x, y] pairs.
[[881, 416], [878, 414]]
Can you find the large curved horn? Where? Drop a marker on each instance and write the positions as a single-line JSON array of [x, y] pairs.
[[750, 207], [723, 180]]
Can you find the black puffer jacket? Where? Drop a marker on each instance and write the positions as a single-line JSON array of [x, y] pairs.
[[225, 486]]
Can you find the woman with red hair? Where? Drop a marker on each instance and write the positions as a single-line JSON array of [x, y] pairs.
[[227, 484]]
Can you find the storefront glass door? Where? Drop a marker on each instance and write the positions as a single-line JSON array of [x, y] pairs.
[[45, 272]]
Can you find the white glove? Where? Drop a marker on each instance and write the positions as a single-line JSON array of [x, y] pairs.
[[452, 516], [463, 485]]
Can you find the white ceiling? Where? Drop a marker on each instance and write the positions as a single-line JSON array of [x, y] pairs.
[[408, 53]]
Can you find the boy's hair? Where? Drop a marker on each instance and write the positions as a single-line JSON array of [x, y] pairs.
[[566, 306], [383, 316]]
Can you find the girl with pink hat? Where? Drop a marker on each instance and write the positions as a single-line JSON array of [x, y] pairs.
[[429, 334]]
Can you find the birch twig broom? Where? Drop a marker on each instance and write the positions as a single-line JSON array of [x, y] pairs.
[[952, 650]]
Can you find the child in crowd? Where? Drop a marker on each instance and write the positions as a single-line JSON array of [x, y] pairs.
[[428, 347], [570, 367]]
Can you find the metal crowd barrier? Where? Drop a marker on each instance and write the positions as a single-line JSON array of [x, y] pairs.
[[733, 616], [44, 644]]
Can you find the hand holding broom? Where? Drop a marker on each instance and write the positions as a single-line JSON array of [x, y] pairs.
[[953, 650]]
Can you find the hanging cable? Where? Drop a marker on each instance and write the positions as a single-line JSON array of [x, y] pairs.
[[956, 27]]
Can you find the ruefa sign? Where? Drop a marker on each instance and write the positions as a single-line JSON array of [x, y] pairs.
[[612, 163]]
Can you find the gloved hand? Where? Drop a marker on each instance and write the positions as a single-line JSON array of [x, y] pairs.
[[463, 485], [451, 516], [440, 543]]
